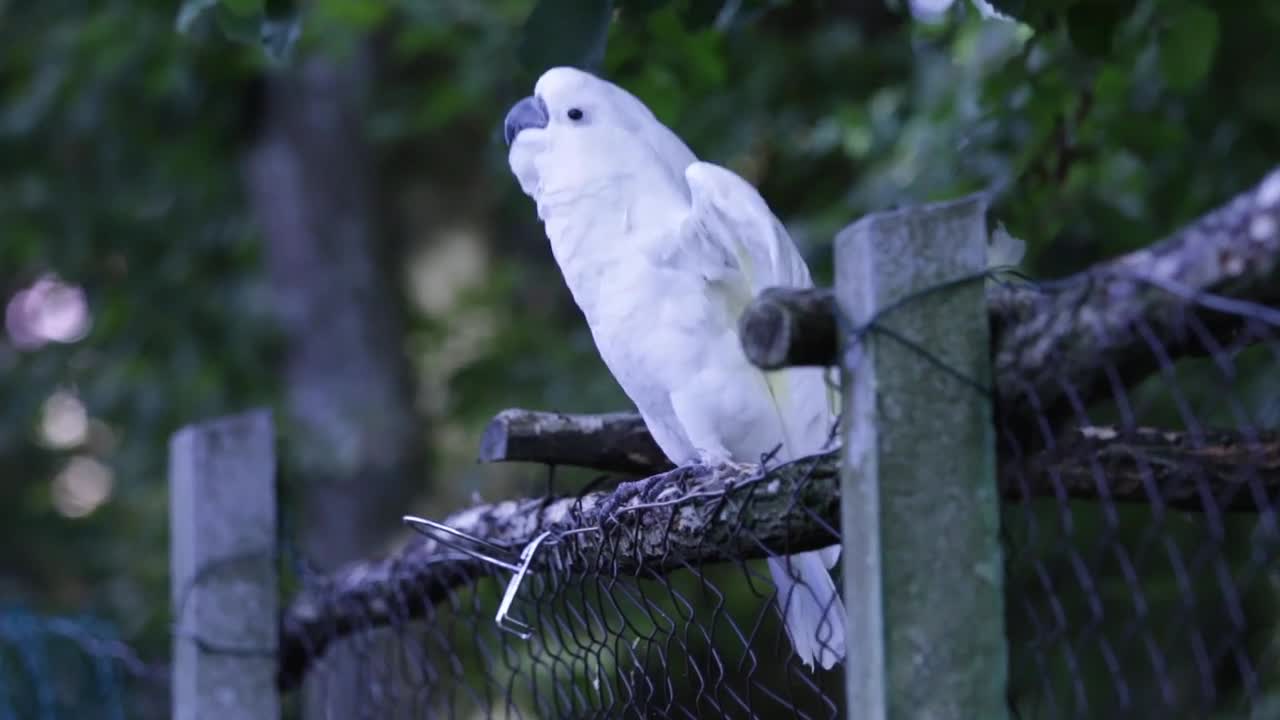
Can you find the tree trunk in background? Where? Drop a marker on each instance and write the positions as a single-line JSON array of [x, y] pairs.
[[353, 441]]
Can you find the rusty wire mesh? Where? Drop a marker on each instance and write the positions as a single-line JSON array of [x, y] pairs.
[[1139, 533]]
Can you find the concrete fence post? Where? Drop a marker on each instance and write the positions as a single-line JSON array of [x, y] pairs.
[[222, 515], [920, 510]]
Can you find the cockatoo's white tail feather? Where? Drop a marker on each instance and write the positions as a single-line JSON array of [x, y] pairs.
[[814, 615]]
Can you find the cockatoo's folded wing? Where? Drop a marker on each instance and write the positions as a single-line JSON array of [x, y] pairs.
[[729, 212], [731, 226]]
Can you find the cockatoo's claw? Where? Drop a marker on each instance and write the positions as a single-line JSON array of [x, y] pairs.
[[740, 468], [723, 466], [656, 487], [712, 459], [653, 484]]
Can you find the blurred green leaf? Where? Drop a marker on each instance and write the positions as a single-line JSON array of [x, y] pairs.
[[239, 28], [1039, 14], [245, 8], [1092, 24], [278, 36], [566, 32], [246, 22], [1188, 44], [191, 12], [1113, 84], [354, 13], [700, 15], [641, 8]]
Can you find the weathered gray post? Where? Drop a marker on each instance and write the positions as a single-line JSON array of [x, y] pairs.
[[922, 559], [222, 516]]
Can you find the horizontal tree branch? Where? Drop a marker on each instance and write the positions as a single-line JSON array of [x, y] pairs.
[[790, 327], [1061, 339], [1217, 471], [696, 515], [612, 442]]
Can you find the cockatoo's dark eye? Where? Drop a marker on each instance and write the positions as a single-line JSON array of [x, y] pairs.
[[575, 114]]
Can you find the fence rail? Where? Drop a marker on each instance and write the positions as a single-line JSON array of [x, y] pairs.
[[1072, 518]]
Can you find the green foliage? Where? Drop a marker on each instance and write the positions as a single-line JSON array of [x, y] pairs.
[[1187, 45], [566, 32], [273, 26], [1092, 24]]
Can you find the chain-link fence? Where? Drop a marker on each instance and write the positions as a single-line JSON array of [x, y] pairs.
[[645, 601], [1134, 441], [72, 667], [1140, 525]]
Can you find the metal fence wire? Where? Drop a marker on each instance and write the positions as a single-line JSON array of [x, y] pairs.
[[1138, 530], [644, 617], [72, 667], [1140, 525]]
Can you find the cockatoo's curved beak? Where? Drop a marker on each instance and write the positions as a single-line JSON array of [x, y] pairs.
[[530, 112]]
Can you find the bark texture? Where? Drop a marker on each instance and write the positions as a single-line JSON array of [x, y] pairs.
[[613, 442], [790, 327]]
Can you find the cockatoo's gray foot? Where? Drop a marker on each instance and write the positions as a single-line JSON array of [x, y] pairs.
[[664, 485], [723, 466]]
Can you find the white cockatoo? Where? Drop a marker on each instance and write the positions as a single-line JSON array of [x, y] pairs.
[[662, 252]]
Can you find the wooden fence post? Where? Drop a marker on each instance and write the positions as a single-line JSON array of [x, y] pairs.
[[222, 516], [920, 512]]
